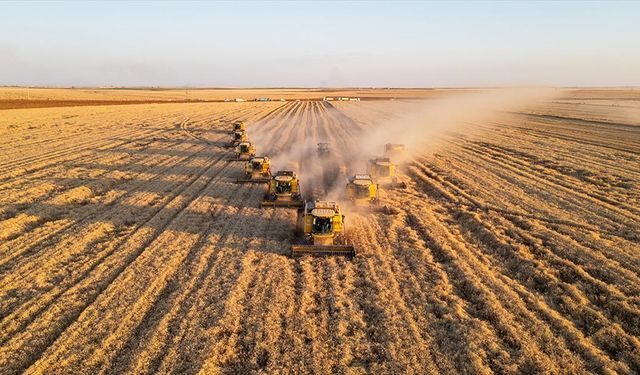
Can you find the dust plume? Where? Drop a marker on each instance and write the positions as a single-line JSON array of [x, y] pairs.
[[292, 151], [420, 125]]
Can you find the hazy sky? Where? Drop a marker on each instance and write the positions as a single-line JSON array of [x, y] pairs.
[[266, 44]]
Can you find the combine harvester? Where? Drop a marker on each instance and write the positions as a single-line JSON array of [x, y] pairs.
[[257, 169], [323, 150], [382, 169], [362, 191], [395, 151], [238, 136], [284, 191], [323, 229], [364, 195], [244, 151], [239, 126]]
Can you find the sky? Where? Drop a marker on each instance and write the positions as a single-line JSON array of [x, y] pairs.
[[320, 44]]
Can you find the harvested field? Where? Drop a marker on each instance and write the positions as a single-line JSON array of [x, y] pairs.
[[126, 246]]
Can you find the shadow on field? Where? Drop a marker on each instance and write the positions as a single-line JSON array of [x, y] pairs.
[[177, 198]]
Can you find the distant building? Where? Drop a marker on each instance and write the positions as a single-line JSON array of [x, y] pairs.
[[239, 100]]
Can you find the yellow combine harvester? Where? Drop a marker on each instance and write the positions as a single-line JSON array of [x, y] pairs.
[[257, 169], [238, 136], [244, 151], [239, 126], [362, 191], [382, 169], [323, 227], [395, 150], [284, 191]]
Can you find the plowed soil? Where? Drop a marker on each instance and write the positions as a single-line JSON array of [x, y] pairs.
[[126, 246]]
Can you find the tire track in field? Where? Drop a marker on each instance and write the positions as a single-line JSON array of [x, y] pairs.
[[484, 301], [131, 189], [50, 133], [160, 170], [504, 133], [175, 195], [21, 245], [449, 190], [128, 190], [589, 353], [136, 244], [145, 121], [521, 188], [98, 136], [217, 325], [195, 282], [555, 183], [176, 292], [560, 173], [185, 203], [494, 245], [88, 151]]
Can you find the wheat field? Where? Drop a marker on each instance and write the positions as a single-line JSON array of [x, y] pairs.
[[126, 246]]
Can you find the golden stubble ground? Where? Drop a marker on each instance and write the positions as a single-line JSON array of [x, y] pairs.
[[126, 246]]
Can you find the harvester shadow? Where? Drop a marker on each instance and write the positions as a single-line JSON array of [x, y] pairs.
[[165, 139], [244, 225], [84, 200], [135, 196], [212, 152], [129, 169]]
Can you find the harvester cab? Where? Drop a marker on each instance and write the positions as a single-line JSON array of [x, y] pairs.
[[239, 126], [362, 191], [395, 150], [323, 228], [284, 191], [257, 169], [323, 149], [382, 169], [244, 151]]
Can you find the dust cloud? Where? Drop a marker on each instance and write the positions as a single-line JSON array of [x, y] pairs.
[[421, 126]]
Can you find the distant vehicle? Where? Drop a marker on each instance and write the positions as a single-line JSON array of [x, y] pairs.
[[239, 126], [394, 150], [262, 99], [382, 169], [323, 149]]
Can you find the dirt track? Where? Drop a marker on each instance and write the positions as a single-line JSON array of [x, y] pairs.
[[125, 246]]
